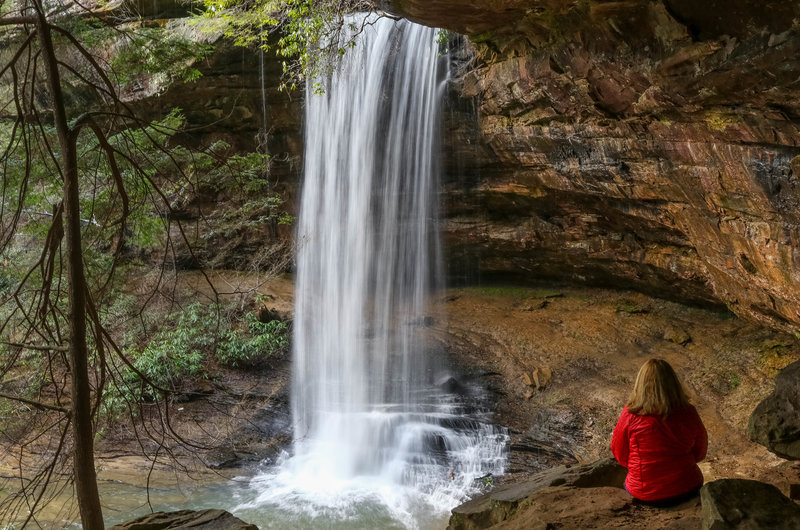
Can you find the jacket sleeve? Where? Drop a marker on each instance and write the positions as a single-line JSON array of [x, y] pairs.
[[620, 445], [700, 440]]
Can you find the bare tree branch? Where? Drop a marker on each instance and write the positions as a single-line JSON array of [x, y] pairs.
[[35, 404]]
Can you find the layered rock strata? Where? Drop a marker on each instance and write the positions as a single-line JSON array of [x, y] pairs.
[[642, 144]]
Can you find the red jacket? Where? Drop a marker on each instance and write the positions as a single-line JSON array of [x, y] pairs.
[[661, 455]]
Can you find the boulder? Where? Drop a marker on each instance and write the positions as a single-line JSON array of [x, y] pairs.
[[451, 385], [746, 504], [538, 377], [775, 423], [502, 502], [677, 335], [200, 519]]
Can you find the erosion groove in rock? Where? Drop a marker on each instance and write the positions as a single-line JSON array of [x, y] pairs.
[[775, 423]]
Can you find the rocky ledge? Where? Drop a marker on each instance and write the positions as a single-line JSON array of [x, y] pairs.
[[592, 496], [503, 502], [201, 519]]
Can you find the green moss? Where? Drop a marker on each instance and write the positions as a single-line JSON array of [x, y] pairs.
[[775, 355], [486, 36], [720, 121], [631, 308]]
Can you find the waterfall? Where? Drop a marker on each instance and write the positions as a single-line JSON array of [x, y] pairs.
[[376, 439], [366, 245]]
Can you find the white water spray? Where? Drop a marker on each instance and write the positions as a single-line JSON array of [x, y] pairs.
[[377, 443]]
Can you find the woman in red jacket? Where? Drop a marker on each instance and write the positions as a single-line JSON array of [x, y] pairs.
[[660, 438]]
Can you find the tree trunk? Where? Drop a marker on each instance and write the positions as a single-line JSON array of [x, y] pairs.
[[82, 427]]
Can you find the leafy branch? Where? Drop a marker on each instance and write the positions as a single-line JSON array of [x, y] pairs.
[[310, 35]]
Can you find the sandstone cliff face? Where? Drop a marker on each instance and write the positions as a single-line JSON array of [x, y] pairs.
[[644, 144], [640, 144]]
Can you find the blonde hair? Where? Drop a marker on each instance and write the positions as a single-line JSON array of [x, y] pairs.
[[657, 390]]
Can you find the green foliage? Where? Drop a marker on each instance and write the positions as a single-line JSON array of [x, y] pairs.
[[162, 54], [145, 156], [149, 165], [255, 341], [25, 381], [177, 351], [443, 39], [118, 403], [181, 349], [313, 34], [155, 51], [243, 178]]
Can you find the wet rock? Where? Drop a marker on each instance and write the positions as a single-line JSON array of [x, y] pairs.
[[775, 423], [266, 315], [274, 420], [532, 453], [550, 441], [267, 431], [221, 458], [200, 519], [197, 389], [424, 321], [746, 504], [501, 503], [452, 385]]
